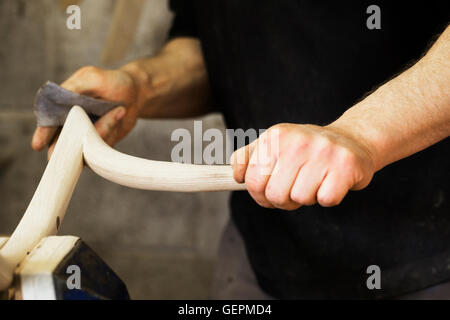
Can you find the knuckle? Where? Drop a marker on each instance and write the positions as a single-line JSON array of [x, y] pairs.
[[276, 197], [347, 156], [278, 126], [348, 162], [300, 145], [254, 184], [324, 145], [239, 157], [280, 130], [91, 72], [89, 69]]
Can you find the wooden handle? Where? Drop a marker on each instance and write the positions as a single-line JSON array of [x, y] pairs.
[[79, 140], [154, 175]]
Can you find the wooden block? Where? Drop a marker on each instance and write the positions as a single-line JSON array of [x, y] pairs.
[[48, 271]]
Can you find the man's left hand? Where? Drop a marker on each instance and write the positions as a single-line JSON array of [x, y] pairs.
[[292, 165]]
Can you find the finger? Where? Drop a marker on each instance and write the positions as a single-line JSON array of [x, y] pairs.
[[42, 137], [239, 161], [278, 190], [258, 172], [113, 136], [333, 189], [307, 183], [109, 121], [86, 80]]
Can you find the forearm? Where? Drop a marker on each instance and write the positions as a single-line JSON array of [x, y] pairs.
[[408, 113], [174, 83]]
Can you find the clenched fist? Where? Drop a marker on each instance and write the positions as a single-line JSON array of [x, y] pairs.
[[293, 165]]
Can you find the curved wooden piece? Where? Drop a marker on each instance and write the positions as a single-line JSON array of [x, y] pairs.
[[49, 203], [154, 175], [79, 140]]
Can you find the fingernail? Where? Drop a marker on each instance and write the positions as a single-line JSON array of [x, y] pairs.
[[121, 113]]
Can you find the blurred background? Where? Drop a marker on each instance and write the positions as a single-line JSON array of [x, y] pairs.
[[163, 245]]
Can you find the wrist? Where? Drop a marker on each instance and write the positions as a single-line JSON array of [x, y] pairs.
[[366, 138], [140, 80]]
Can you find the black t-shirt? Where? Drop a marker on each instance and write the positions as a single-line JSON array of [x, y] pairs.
[[308, 62]]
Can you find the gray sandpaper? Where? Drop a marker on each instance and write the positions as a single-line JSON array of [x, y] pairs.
[[53, 103]]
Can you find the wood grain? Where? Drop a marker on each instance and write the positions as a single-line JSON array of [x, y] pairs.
[[154, 175]]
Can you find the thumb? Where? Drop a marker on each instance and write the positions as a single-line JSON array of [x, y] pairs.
[[239, 161], [109, 121]]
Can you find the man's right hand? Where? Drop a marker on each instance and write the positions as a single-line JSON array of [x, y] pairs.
[[172, 84], [112, 85]]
